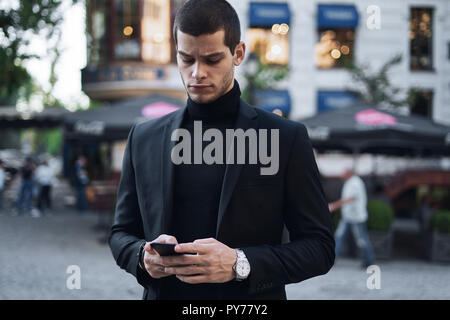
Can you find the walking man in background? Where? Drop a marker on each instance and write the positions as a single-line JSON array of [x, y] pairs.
[[353, 215], [44, 178], [81, 181], [25, 198]]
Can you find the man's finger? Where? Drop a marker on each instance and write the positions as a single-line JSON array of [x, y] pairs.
[[207, 240], [181, 260], [164, 238], [153, 260], [149, 249], [188, 270], [158, 272], [191, 247]]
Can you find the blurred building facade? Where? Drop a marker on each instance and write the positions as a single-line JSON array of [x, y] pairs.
[[321, 33], [131, 49]]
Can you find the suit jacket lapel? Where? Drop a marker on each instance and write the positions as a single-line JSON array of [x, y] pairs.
[[167, 169], [247, 118]]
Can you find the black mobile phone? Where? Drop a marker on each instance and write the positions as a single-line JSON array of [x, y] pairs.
[[164, 249]]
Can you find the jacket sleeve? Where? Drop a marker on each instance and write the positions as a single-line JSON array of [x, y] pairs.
[[310, 251], [127, 232]]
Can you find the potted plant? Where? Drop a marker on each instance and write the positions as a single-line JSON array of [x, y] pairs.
[[379, 225], [440, 242]]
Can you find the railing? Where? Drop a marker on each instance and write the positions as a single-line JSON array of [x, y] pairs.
[[410, 179]]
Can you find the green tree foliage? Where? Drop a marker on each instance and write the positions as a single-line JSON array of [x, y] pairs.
[[381, 215], [374, 87], [441, 221], [265, 77], [17, 27]]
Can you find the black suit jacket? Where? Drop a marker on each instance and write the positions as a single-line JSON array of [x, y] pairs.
[[253, 209]]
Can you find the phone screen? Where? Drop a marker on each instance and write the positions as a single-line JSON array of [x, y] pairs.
[[164, 249]]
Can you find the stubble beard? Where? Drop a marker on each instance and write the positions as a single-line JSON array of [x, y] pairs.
[[225, 84]]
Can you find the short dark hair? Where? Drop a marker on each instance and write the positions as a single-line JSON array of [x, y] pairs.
[[198, 17]]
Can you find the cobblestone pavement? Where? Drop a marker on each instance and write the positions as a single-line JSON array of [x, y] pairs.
[[404, 279], [35, 254]]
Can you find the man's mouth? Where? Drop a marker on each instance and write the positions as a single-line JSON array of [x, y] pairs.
[[198, 87]]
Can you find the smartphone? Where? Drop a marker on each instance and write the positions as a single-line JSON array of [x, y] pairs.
[[164, 249]]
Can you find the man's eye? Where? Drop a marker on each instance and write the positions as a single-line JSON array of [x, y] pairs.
[[212, 61], [187, 61]]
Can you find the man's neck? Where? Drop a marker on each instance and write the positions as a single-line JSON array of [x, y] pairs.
[[224, 107]]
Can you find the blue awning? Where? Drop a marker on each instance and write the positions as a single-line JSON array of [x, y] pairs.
[[337, 16], [331, 100], [266, 14], [273, 99]]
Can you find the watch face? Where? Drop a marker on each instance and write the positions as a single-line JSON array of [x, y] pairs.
[[243, 268]]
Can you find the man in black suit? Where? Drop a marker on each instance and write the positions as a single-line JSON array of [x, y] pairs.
[[227, 217]]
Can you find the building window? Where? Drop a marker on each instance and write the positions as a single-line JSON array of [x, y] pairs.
[[97, 31], [271, 45], [336, 35], [335, 47], [156, 31], [421, 102], [421, 39], [127, 45], [268, 34]]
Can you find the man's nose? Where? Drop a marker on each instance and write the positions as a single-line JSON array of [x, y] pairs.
[[199, 71]]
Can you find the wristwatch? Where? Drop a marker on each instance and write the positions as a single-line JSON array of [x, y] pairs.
[[242, 266]]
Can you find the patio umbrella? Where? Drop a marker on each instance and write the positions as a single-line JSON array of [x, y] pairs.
[[113, 122], [365, 129]]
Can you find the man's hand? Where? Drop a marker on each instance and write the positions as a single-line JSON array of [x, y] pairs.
[[152, 259], [332, 206], [204, 261]]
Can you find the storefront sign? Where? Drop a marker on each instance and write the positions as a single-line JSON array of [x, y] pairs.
[[122, 73], [331, 100], [95, 128], [273, 99], [337, 16], [319, 133], [374, 117], [264, 14]]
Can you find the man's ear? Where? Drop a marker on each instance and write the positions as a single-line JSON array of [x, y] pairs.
[[239, 53]]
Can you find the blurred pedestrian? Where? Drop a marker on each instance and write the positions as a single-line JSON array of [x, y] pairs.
[[24, 200], [2, 183], [44, 178], [425, 212], [353, 215], [81, 181]]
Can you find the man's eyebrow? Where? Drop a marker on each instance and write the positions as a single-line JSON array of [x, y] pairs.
[[214, 55], [183, 53], [208, 56]]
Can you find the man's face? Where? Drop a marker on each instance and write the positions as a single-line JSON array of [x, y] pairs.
[[206, 65], [347, 174]]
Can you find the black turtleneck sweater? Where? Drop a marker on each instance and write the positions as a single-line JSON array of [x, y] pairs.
[[197, 189]]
